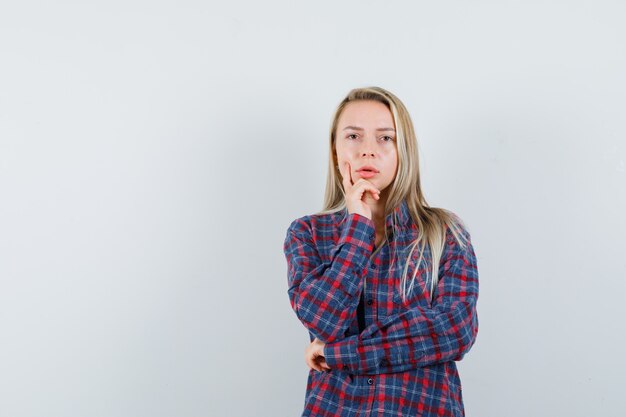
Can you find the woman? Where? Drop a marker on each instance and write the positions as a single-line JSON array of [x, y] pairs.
[[386, 285]]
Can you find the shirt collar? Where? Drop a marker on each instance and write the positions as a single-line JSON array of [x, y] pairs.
[[403, 217]]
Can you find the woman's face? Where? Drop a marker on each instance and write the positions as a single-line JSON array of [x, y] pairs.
[[365, 137]]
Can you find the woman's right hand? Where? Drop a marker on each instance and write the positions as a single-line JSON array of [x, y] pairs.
[[356, 191]]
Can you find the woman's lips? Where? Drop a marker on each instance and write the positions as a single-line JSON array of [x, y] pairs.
[[366, 174]]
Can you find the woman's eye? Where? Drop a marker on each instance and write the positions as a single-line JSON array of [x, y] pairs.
[[352, 136], [387, 138]]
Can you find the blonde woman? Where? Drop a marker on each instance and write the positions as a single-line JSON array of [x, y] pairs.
[[385, 284]]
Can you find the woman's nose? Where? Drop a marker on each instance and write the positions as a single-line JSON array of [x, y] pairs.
[[367, 151], [367, 148]]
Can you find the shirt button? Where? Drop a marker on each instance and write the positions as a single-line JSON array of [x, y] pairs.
[[345, 367], [370, 381], [373, 265], [370, 302], [383, 362]]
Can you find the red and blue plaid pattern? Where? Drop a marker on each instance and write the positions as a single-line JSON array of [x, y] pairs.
[[402, 363]]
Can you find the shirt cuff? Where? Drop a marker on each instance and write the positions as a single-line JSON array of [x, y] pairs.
[[359, 231], [342, 354]]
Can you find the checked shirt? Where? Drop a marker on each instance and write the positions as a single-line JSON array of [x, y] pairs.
[[402, 363]]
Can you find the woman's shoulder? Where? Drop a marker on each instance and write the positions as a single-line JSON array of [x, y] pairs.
[[457, 232], [310, 224], [455, 229]]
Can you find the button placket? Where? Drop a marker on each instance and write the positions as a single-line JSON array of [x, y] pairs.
[[377, 264], [370, 292]]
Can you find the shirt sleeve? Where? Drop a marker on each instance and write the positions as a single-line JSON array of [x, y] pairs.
[[419, 336], [324, 295]]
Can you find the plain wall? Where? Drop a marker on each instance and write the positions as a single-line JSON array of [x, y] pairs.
[[152, 155]]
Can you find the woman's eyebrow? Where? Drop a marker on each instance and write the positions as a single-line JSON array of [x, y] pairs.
[[380, 129]]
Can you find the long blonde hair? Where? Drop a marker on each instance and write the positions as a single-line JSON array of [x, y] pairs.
[[431, 222]]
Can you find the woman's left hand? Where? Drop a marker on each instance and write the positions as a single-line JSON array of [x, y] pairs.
[[314, 355]]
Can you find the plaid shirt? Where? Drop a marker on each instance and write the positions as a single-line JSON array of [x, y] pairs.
[[402, 362]]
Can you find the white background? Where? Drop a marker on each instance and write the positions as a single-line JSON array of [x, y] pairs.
[[153, 153]]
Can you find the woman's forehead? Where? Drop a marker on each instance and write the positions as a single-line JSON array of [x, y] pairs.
[[362, 114]]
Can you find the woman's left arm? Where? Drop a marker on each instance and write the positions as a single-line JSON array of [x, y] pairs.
[[419, 336]]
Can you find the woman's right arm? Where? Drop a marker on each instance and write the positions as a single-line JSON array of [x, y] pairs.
[[325, 296]]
